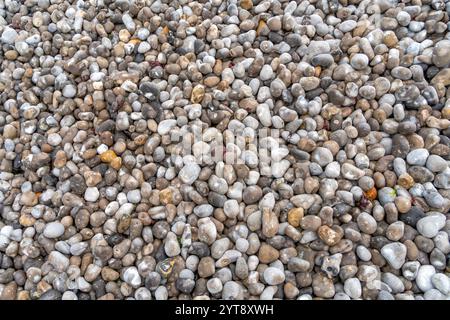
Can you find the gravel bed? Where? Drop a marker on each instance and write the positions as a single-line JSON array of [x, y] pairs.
[[224, 149]]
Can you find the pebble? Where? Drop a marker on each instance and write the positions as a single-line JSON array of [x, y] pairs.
[[395, 254], [359, 61], [322, 156], [424, 276], [69, 91], [58, 261], [189, 173], [430, 225], [352, 288], [54, 230], [91, 194], [273, 276], [436, 163], [9, 35], [366, 223], [441, 282], [417, 157]]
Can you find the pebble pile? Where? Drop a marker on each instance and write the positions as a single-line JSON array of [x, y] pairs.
[[99, 201]]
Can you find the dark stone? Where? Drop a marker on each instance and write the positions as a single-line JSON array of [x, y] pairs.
[[420, 174], [412, 216], [199, 249]]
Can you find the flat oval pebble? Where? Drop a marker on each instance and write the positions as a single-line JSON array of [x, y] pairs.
[[54, 230]]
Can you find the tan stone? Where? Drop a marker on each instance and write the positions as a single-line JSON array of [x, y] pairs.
[[109, 274], [295, 216], [27, 220], [92, 178], [246, 4], [267, 253], [211, 81], [60, 159], [328, 235], [165, 196], [443, 77], [108, 156], [405, 181], [270, 223], [198, 93]]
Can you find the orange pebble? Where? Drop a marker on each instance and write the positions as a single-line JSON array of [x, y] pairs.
[[108, 156], [116, 163], [371, 194]]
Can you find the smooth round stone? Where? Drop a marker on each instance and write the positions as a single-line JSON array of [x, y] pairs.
[[395, 231], [366, 223], [134, 196], [54, 139], [363, 253], [69, 91], [441, 53], [399, 166], [347, 26], [274, 276], [441, 282], [59, 261], [403, 18], [359, 61], [352, 288], [386, 195], [231, 208], [266, 73], [333, 170], [172, 247], [53, 230], [434, 199], [296, 264], [161, 293], [442, 180], [91, 194], [9, 35], [412, 216], [417, 157], [436, 163], [393, 282], [252, 194], [165, 126], [403, 204], [324, 60], [395, 254], [263, 113], [144, 47], [322, 156], [132, 277], [401, 73], [189, 173], [203, 210], [341, 296], [232, 291], [366, 183], [214, 285], [424, 276], [429, 226]]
